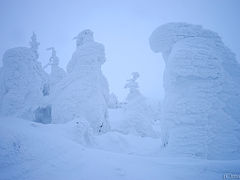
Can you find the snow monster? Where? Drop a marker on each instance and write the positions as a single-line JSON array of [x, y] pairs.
[[22, 81], [201, 109], [83, 94]]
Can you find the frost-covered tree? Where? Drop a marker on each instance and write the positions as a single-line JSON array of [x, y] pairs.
[[21, 81], [202, 81], [57, 73], [137, 114], [84, 92], [132, 85]]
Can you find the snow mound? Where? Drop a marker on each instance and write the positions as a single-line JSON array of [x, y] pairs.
[[201, 81]]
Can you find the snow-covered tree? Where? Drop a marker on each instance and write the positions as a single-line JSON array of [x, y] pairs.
[[132, 85], [57, 73], [137, 114], [21, 82], [202, 82], [84, 92]]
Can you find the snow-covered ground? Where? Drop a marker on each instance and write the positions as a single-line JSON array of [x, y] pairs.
[[34, 151]]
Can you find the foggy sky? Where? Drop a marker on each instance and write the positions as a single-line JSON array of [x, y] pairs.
[[122, 26]]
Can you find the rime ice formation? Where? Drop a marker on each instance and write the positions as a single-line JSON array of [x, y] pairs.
[[22, 81], [132, 85], [202, 97], [83, 94], [57, 73], [137, 114]]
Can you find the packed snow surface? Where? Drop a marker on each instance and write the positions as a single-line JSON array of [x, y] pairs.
[[33, 151]]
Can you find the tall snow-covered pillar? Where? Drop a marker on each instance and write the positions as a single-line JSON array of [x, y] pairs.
[[201, 109], [84, 93]]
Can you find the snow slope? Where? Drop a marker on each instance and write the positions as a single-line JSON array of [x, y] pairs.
[[32, 151]]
